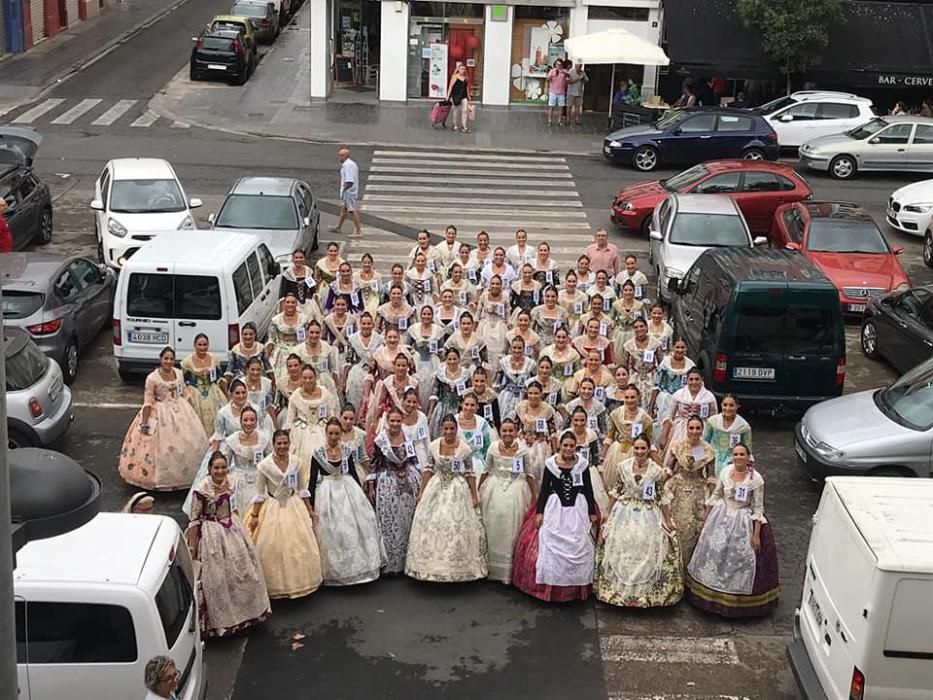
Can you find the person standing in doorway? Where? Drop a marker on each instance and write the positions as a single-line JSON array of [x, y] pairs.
[[458, 93], [557, 92], [349, 191], [577, 80]]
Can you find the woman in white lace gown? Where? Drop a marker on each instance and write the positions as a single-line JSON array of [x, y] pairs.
[[425, 339], [447, 541], [361, 346], [514, 372], [308, 408]]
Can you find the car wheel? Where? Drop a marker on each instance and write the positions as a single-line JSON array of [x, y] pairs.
[[646, 226], [928, 249], [891, 471], [44, 237], [753, 154], [645, 158], [192, 74], [842, 167], [869, 339], [241, 78], [70, 362], [17, 438]]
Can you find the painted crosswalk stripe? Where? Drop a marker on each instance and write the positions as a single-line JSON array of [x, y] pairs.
[[463, 155], [114, 113], [550, 194], [83, 107], [147, 119], [458, 170], [545, 184], [675, 696], [181, 125], [393, 163], [467, 201], [481, 211], [669, 650], [42, 108]]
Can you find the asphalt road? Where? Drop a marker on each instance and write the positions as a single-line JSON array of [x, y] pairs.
[[398, 638]]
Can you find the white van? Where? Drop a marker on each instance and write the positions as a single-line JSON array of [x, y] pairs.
[[95, 604], [864, 629], [183, 283]]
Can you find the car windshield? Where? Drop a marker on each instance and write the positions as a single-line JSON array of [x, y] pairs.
[[845, 236], [258, 211], [775, 105], [25, 368], [146, 197], [710, 230], [21, 304], [217, 43], [681, 182], [909, 401], [247, 10], [670, 118], [865, 130]]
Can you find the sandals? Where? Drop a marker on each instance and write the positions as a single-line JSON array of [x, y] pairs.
[[464, 131]]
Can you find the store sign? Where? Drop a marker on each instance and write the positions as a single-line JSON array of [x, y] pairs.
[[437, 72], [905, 81]]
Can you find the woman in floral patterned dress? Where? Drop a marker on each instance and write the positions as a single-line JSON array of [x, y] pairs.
[[725, 430], [573, 301], [589, 446], [423, 282], [388, 392], [358, 369], [244, 351], [514, 372], [287, 328], [205, 379], [691, 461], [642, 355], [396, 314], [465, 293], [625, 312], [538, 427], [526, 291], [475, 431], [692, 400], [308, 408], [550, 387], [369, 282], [658, 328], [670, 378], [425, 339], [472, 347], [566, 360], [624, 425], [493, 312], [451, 382], [548, 318], [320, 355]]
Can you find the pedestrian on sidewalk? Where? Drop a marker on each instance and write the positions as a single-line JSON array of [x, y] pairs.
[[6, 238], [557, 92], [458, 93], [349, 191], [577, 80]]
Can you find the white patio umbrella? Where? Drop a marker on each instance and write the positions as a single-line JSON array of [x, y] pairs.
[[615, 46]]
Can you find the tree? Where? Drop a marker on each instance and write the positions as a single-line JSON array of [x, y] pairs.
[[793, 32]]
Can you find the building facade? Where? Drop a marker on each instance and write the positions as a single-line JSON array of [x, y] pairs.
[[25, 23]]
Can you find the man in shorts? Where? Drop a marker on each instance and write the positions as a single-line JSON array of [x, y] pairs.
[[349, 191], [557, 92], [577, 79]]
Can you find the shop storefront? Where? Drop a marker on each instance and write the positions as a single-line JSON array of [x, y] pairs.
[[440, 37], [538, 35], [356, 44]]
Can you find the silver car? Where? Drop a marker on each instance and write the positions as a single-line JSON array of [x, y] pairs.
[[904, 142], [38, 404], [884, 432], [685, 225], [63, 302], [280, 210]]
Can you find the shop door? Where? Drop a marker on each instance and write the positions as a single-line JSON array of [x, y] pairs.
[[459, 51], [53, 17], [13, 19], [37, 20]]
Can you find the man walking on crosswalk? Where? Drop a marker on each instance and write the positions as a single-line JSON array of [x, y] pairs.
[[349, 192]]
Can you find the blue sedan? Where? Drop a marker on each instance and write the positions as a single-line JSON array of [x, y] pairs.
[[693, 135]]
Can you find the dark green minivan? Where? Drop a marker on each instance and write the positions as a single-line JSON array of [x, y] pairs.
[[764, 325]]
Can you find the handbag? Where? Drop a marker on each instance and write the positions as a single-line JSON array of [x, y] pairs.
[[471, 111]]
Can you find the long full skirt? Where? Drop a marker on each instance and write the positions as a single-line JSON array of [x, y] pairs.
[[167, 458], [525, 564], [447, 541], [637, 563], [356, 380], [396, 491], [725, 576], [503, 501], [425, 371], [232, 586], [493, 330], [288, 550], [206, 406], [616, 453], [305, 439], [450, 403], [600, 494], [540, 451], [687, 510], [348, 535], [507, 403]]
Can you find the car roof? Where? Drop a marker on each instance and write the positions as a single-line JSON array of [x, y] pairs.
[[726, 165], [893, 517], [110, 548], [273, 186], [141, 169], [705, 204], [743, 264], [238, 19], [25, 269], [906, 118], [738, 111], [205, 245], [811, 95], [836, 210]]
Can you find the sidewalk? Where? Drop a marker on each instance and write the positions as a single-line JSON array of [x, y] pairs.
[[276, 102], [25, 76]]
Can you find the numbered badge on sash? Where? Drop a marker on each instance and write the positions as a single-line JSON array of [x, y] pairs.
[[500, 310], [263, 404], [409, 450], [257, 457], [648, 357], [427, 286], [683, 380], [603, 329], [355, 298], [599, 393], [741, 494], [568, 370], [322, 411], [704, 410], [536, 296], [606, 304], [529, 350], [472, 275], [734, 439], [180, 388], [477, 441], [549, 276], [325, 363], [432, 347], [474, 352], [300, 334], [344, 465], [518, 465], [576, 478], [636, 314], [374, 285], [456, 465], [421, 432], [592, 423], [648, 491], [556, 326], [431, 265], [540, 425], [461, 388], [463, 297], [552, 398], [639, 291], [637, 430], [487, 412], [213, 374], [578, 308], [291, 479], [403, 324]]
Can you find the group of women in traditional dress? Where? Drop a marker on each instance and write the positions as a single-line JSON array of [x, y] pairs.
[[478, 413]]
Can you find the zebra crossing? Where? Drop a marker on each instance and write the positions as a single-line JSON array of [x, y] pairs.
[[88, 112], [474, 192]]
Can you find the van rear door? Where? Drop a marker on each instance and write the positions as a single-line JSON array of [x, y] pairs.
[[199, 308], [148, 324], [755, 364], [814, 346]]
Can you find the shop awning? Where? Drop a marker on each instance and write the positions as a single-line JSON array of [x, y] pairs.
[[615, 46]]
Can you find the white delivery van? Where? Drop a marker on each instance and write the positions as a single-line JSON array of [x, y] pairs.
[[183, 283], [95, 604], [864, 629]]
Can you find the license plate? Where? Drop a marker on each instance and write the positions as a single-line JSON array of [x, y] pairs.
[[800, 452], [216, 66], [857, 308], [762, 373], [55, 390], [815, 609], [607, 150], [148, 338]]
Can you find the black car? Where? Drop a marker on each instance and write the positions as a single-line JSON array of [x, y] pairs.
[[898, 327], [693, 135], [28, 202], [223, 54]]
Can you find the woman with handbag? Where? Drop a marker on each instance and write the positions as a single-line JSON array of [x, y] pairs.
[[458, 93]]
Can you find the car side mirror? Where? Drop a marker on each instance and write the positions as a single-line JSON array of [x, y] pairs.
[[97, 204], [790, 245], [210, 218], [307, 221], [785, 118], [675, 286], [678, 131], [655, 236], [759, 240], [194, 203], [874, 140], [897, 250], [274, 269]]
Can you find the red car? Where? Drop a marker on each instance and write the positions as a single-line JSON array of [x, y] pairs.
[[757, 186], [845, 243]]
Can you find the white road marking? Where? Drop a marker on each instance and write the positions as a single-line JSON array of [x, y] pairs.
[[384, 163], [669, 650], [550, 194], [78, 110], [478, 211], [37, 111], [114, 113], [147, 119], [181, 125], [457, 170], [472, 181], [465, 202], [458, 155], [108, 406], [676, 696]]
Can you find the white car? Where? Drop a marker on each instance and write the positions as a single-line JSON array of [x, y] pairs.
[[685, 225], [135, 199], [802, 116], [910, 208]]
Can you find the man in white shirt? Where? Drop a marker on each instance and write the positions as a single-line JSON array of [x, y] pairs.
[[349, 191]]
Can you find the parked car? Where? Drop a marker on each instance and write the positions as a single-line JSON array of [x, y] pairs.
[[281, 211], [134, 199], [803, 116], [881, 432], [757, 186], [62, 301], [29, 204], [38, 404], [763, 325], [693, 135], [910, 209], [223, 54], [846, 244], [899, 328], [264, 15], [684, 225], [862, 628], [238, 24], [900, 143]]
